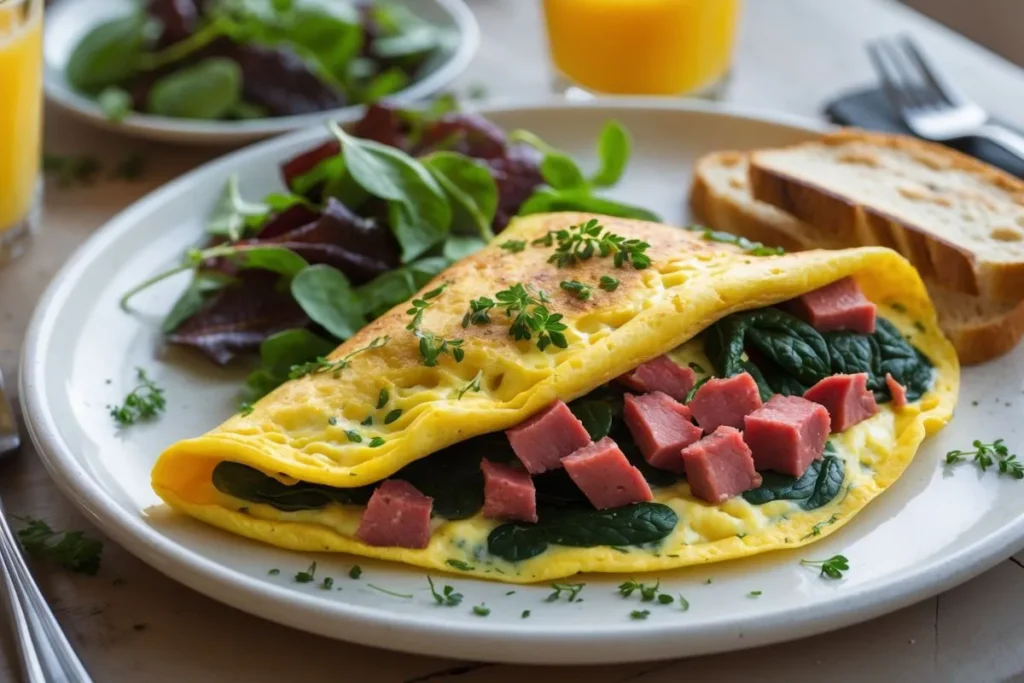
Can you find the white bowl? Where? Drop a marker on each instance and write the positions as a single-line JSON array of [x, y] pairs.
[[68, 21]]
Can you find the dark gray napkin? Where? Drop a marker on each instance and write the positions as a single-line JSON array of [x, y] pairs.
[[870, 109]]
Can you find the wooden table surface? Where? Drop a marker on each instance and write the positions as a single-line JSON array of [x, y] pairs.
[[131, 623]]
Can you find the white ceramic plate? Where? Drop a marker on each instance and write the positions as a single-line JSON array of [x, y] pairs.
[[933, 529], [69, 20]]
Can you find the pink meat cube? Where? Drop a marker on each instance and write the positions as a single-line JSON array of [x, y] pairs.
[[838, 306], [661, 374], [604, 474], [786, 434], [725, 401], [397, 515], [543, 440], [898, 391], [846, 397], [661, 428], [508, 493], [720, 466]]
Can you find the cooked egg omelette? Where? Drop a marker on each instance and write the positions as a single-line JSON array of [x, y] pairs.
[[338, 429]]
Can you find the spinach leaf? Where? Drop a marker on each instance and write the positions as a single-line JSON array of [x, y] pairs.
[[852, 353], [458, 247], [556, 488], [471, 190], [108, 54], [208, 90], [579, 528], [815, 488], [192, 299], [115, 102], [548, 200], [418, 209], [907, 365], [395, 286], [764, 388], [278, 354], [387, 82], [613, 149], [277, 259], [248, 483], [233, 216], [596, 417], [326, 296]]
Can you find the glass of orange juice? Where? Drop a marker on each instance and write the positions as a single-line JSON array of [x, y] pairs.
[[642, 47], [21, 122]]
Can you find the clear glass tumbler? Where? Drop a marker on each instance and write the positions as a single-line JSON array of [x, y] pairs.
[[21, 122], [642, 47]]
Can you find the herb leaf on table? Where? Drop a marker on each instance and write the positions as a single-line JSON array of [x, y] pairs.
[[69, 549]]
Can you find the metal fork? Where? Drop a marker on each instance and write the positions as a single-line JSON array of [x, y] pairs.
[[45, 653], [928, 103]]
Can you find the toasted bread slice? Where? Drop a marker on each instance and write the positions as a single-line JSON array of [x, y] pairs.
[[955, 218], [720, 198]]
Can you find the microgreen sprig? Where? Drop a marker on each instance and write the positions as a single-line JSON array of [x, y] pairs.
[[582, 242], [832, 568], [986, 455], [571, 591], [323, 365], [479, 312], [472, 385], [447, 597], [576, 288], [144, 402]]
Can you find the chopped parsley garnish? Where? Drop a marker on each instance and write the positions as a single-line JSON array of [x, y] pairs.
[[510, 593], [459, 564], [327, 584], [143, 403], [322, 365], [376, 442], [447, 597], [816, 529], [986, 455], [69, 549], [481, 610], [479, 312], [608, 283], [639, 614], [576, 288], [709, 580], [392, 416], [333, 421], [307, 576], [472, 385], [832, 568], [420, 305], [353, 436], [382, 398], [525, 614], [582, 242], [245, 408], [274, 572], [647, 592], [355, 572], [515, 246], [571, 591], [919, 326], [684, 604], [385, 591], [665, 599], [751, 247], [754, 594]]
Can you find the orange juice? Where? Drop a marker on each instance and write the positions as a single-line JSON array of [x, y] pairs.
[[642, 47], [21, 81]]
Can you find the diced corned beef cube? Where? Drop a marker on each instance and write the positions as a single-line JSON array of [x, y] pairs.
[[720, 466], [397, 515], [508, 493], [725, 401], [838, 306], [661, 427], [543, 440], [786, 434], [846, 397], [606, 477], [898, 391], [661, 374]]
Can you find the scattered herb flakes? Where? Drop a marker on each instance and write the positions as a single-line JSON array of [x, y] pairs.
[[832, 568], [514, 246], [754, 594], [525, 614], [353, 436], [69, 549], [367, 421], [481, 610], [816, 529], [479, 312], [986, 455], [355, 572], [919, 326], [144, 402], [684, 604], [322, 365], [459, 564], [327, 584], [447, 597], [420, 305], [382, 398], [571, 591], [333, 421], [376, 442], [392, 416], [510, 593], [647, 592], [617, 549], [307, 576], [665, 599], [472, 385], [274, 572], [576, 288], [608, 283], [898, 307], [404, 596], [708, 581], [245, 408], [639, 614]]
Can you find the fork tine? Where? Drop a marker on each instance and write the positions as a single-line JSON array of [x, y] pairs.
[[915, 87], [928, 72], [888, 76]]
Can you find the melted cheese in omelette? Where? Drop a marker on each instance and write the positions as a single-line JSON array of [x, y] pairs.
[[690, 284]]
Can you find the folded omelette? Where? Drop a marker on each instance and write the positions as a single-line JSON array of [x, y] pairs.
[[424, 393]]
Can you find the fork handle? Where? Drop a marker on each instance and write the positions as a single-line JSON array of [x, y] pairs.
[[46, 655], [1009, 140]]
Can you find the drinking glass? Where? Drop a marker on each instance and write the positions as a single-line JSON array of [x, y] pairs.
[[21, 121], [642, 47]]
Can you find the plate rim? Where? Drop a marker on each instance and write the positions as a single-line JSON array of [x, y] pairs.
[[205, 132], [369, 626]]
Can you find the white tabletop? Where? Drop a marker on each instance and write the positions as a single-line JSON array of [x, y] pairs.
[[130, 623]]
